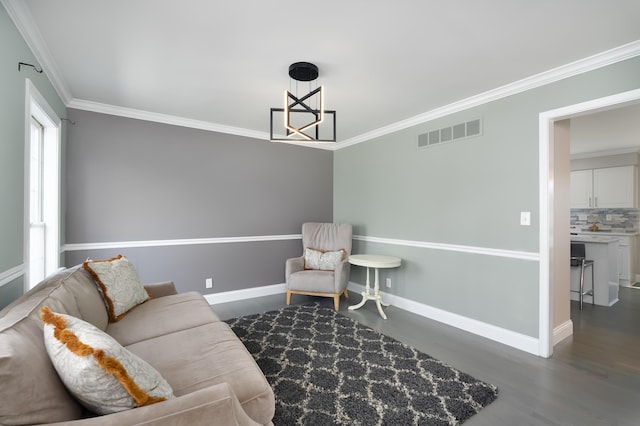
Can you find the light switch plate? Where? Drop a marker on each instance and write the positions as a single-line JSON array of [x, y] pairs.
[[525, 218]]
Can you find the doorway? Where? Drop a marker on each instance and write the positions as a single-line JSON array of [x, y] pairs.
[[550, 237]]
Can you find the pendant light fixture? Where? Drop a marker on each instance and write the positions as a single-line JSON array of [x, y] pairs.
[[304, 117]]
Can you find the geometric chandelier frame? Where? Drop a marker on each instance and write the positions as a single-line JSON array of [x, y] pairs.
[[301, 120]]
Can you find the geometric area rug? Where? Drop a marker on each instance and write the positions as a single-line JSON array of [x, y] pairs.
[[327, 369]]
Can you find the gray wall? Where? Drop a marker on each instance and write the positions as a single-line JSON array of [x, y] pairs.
[[469, 193], [133, 180], [12, 107]]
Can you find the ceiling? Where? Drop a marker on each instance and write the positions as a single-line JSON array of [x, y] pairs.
[[381, 62], [611, 131]]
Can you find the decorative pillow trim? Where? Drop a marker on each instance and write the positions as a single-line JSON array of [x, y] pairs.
[[103, 288], [107, 363]]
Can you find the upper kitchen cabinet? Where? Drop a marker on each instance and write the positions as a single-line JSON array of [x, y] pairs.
[[582, 189], [610, 187]]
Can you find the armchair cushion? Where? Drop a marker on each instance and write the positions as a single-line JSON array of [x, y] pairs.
[[323, 260]]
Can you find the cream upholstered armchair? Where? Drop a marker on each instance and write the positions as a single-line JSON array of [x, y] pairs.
[[323, 269]]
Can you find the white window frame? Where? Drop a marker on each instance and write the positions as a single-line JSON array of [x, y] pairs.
[[37, 107]]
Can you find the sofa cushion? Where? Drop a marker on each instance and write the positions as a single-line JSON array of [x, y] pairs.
[[207, 355], [105, 377], [118, 282], [30, 389], [163, 315]]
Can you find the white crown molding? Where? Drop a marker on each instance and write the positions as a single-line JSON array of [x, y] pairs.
[[11, 274], [618, 54], [19, 13], [21, 17], [163, 118], [139, 114]]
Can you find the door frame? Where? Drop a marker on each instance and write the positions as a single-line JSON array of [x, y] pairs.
[[547, 204]]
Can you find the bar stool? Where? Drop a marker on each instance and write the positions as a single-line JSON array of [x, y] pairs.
[[578, 259]]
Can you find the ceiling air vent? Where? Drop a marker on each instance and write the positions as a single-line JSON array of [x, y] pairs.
[[452, 133]]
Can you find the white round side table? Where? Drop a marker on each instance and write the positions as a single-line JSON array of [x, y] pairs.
[[373, 261]]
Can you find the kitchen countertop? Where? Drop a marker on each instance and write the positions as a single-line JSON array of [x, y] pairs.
[[617, 234], [603, 239]]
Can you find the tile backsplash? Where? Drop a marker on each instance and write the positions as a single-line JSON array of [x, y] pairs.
[[613, 219]]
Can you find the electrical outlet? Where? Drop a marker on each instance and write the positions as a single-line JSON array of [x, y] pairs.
[[608, 217], [388, 282], [208, 283], [525, 218]]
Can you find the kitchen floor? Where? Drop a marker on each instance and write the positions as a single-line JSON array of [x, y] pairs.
[[593, 378], [605, 337]]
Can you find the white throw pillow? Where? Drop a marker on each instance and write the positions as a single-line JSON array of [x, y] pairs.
[[105, 377], [323, 260], [119, 285]]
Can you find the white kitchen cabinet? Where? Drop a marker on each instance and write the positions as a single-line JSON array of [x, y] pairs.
[[582, 189], [626, 264], [610, 187]]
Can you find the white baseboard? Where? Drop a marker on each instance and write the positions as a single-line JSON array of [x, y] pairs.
[[562, 331], [510, 338], [247, 293]]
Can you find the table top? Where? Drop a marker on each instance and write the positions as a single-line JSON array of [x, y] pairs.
[[375, 261]]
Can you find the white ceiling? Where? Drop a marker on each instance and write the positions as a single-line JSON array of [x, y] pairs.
[[612, 130], [381, 62]]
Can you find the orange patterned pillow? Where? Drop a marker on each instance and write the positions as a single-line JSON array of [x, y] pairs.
[[105, 377]]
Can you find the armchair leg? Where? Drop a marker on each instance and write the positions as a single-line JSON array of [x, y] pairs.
[[346, 294], [288, 297], [336, 302]]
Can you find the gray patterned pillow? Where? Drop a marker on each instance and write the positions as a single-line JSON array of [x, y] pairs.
[[323, 260], [105, 377], [119, 285]]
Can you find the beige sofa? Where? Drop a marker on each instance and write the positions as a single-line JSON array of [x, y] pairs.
[[213, 376]]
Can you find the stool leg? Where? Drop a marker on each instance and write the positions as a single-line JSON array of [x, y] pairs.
[[593, 288], [581, 284]]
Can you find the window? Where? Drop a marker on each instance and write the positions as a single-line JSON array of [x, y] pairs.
[[36, 216], [42, 188]]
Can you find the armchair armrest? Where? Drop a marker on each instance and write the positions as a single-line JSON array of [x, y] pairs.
[[160, 289], [214, 404], [293, 265], [341, 275]]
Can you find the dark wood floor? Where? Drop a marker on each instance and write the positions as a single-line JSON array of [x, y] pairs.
[[593, 377]]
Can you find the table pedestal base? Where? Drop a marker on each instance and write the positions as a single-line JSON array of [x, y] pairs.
[[367, 294]]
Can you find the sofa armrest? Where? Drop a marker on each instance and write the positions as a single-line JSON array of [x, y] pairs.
[[293, 265], [160, 289], [212, 405]]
